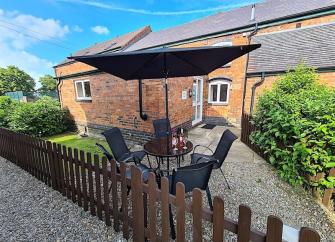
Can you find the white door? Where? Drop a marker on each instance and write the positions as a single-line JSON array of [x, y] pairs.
[[197, 100]]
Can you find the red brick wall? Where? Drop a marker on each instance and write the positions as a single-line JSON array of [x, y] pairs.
[[115, 102]]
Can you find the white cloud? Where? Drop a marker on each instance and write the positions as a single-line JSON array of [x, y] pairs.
[[20, 31], [77, 28], [114, 7], [32, 64], [100, 29]]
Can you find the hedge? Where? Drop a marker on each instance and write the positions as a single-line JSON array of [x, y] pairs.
[[296, 127]]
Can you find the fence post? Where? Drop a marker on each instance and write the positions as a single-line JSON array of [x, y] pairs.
[[137, 204]]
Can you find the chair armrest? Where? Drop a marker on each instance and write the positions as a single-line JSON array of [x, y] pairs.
[[104, 151], [203, 147]]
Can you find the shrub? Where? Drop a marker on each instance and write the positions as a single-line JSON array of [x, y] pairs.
[[6, 107], [43, 117], [296, 127]]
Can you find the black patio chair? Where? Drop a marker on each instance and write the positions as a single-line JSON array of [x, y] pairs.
[[162, 127], [144, 169], [192, 176], [220, 153], [118, 146]]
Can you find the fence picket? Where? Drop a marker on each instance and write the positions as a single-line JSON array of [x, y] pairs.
[[55, 165], [77, 172], [98, 185], [152, 207], [274, 229], [105, 191], [308, 235], [165, 208], [90, 182], [197, 215], [218, 219], [244, 223], [83, 179], [60, 162], [115, 196], [51, 165], [137, 204], [66, 172], [124, 198], [71, 164], [180, 211]]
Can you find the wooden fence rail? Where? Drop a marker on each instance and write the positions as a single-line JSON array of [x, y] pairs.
[[248, 128], [102, 188]]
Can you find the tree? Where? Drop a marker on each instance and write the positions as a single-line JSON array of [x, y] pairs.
[[48, 84], [14, 79]]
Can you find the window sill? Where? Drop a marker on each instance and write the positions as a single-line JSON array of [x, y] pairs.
[[84, 100], [218, 104]]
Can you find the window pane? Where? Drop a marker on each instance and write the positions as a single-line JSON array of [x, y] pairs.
[[87, 89], [223, 92], [194, 94], [213, 93], [79, 87]]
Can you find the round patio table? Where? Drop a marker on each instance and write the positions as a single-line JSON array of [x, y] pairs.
[[162, 148]]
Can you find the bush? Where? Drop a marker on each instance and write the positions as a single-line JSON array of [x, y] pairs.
[[6, 107], [296, 127], [43, 117]]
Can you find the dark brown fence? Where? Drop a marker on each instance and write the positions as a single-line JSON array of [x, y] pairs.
[[99, 187], [248, 128]]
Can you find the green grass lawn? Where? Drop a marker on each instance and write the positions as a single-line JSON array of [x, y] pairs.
[[73, 140]]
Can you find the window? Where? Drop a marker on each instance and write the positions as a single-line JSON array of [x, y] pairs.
[[218, 92], [83, 90], [224, 43]]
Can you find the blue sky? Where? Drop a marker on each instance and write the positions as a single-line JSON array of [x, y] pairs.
[[37, 34]]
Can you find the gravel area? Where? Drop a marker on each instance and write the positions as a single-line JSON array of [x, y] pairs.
[[32, 211]]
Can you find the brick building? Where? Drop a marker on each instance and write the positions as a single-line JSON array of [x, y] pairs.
[[289, 31]]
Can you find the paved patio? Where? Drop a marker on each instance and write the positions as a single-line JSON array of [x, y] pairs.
[[255, 183]]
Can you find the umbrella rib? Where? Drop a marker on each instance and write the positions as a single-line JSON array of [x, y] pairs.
[[138, 69], [191, 64]]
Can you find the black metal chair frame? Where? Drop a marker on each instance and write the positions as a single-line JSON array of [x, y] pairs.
[[115, 133], [220, 160], [191, 177]]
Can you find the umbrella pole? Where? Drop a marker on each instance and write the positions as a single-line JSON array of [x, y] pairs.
[[166, 95]]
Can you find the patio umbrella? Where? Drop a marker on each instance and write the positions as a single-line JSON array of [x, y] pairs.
[[165, 63]]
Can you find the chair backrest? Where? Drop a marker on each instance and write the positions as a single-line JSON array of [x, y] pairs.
[[162, 127], [116, 142], [221, 152], [193, 176], [104, 151]]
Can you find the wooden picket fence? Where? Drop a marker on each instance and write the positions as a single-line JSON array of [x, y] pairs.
[[87, 180], [248, 128]]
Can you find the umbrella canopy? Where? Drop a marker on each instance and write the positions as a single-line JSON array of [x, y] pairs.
[[165, 62]]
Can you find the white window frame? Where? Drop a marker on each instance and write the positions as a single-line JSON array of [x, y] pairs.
[[84, 91], [219, 83], [224, 43]]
